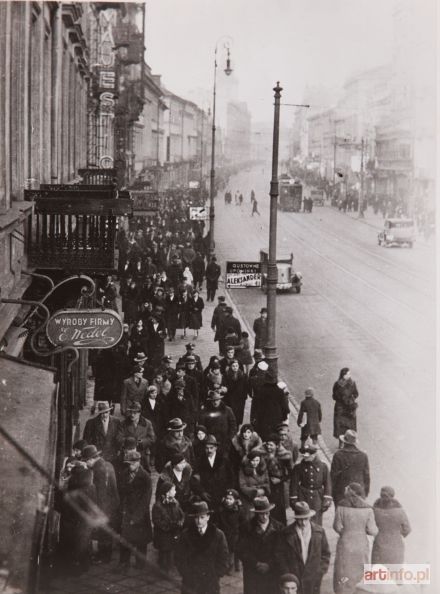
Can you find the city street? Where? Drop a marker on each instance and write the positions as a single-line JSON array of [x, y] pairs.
[[361, 306]]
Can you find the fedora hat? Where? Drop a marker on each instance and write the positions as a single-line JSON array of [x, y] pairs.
[[134, 407], [140, 358], [349, 437], [90, 451], [132, 457], [176, 425], [308, 449], [211, 440], [262, 505], [199, 508], [102, 407], [302, 511]]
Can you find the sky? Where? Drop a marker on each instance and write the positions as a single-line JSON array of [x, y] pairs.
[[296, 42]]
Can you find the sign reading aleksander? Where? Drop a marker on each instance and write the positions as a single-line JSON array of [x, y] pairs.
[[240, 275], [85, 328]]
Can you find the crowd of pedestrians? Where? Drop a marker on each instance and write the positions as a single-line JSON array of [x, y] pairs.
[[223, 486]]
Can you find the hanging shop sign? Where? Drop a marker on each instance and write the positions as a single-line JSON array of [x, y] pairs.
[[85, 328], [240, 275], [145, 201], [198, 213]]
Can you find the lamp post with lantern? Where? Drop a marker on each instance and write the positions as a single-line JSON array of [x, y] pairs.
[[227, 71]]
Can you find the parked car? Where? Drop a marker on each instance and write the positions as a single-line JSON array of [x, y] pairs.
[[288, 279], [399, 232]]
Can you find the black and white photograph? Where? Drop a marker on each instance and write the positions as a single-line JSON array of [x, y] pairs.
[[218, 297]]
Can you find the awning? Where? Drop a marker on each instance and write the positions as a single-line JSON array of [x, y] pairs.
[[28, 414]]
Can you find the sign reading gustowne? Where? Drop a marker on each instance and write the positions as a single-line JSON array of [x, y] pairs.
[[243, 274], [85, 328]]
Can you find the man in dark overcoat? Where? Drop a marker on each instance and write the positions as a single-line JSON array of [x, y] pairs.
[[190, 352], [302, 549], [310, 482], [107, 498], [270, 406], [135, 493], [218, 313], [174, 442], [171, 313], [137, 426], [256, 548], [260, 328], [134, 389], [156, 334], [212, 274], [349, 465], [179, 404], [201, 555], [102, 431], [228, 322], [219, 420], [214, 473]]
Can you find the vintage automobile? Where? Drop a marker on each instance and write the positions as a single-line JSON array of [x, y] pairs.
[[399, 232], [288, 279], [317, 196], [290, 195]]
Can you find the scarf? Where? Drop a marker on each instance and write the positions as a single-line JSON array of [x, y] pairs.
[[386, 503], [353, 500]]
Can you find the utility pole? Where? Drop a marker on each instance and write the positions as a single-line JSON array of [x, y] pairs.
[[270, 349]]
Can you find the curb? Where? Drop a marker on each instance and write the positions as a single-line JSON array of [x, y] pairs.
[[294, 406]]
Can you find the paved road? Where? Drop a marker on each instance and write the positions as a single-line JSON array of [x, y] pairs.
[[362, 306]]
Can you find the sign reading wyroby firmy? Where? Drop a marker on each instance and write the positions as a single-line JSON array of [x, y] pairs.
[[240, 275], [85, 328]]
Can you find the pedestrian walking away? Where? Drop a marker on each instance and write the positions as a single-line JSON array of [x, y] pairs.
[[349, 465], [345, 395], [255, 208], [393, 525], [309, 417]]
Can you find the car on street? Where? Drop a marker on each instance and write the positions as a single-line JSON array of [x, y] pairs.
[[288, 279], [397, 232]]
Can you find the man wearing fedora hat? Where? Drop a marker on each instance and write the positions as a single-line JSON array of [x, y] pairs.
[[256, 547], [107, 498], [190, 348], [219, 312], [310, 482], [260, 329], [137, 426], [134, 388], [302, 549], [270, 405], [213, 471], [202, 555], [349, 465], [174, 442], [135, 490], [102, 431], [226, 323]]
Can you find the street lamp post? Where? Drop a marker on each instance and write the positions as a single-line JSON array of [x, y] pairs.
[[270, 348], [228, 71]]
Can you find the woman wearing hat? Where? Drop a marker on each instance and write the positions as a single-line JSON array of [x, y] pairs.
[[253, 479], [345, 394], [245, 441], [180, 473], [202, 555], [256, 549], [236, 382], [168, 519], [195, 308], [393, 525], [354, 522], [279, 462]]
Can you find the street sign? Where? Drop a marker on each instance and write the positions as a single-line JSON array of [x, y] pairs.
[[240, 275], [85, 328], [198, 213]]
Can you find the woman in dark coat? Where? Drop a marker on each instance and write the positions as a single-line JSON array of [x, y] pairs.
[[393, 525], [183, 304], [130, 304], [171, 313], [270, 407], [253, 480], [345, 394], [168, 519], [198, 270], [178, 472], [245, 441], [279, 462], [236, 382], [195, 308]]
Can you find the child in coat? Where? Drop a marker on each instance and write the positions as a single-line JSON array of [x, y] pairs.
[[168, 519], [229, 518], [312, 425]]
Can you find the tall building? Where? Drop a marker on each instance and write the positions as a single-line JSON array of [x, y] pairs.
[[238, 132]]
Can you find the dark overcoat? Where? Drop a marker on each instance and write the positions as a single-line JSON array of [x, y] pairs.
[[135, 507], [172, 313], [214, 480], [169, 446], [184, 487], [310, 482], [132, 392], [254, 547], [289, 558], [270, 407], [260, 328], [156, 416], [236, 395], [195, 308], [345, 394], [349, 465], [106, 443], [202, 560], [107, 496], [219, 422], [312, 408], [143, 434], [168, 519]]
